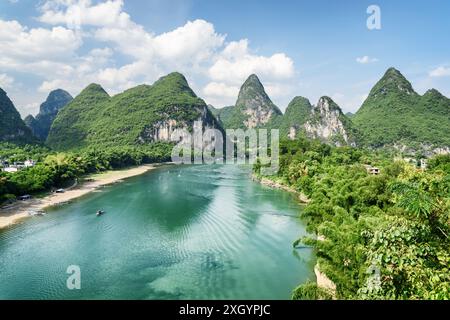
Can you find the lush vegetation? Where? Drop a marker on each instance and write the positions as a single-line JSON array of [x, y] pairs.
[[296, 115], [58, 169], [130, 118], [394, 113], [382, 236], [12, 127]]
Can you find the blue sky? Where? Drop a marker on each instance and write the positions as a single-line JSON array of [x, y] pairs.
[[307, 48]]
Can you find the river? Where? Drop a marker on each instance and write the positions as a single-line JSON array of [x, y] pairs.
[[177, 232]]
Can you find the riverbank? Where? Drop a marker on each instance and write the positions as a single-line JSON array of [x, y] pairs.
[[321, 278], [324, 282], [19, 210], [278, 185]]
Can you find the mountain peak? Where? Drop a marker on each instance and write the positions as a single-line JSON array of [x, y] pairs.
[[40, 125], [252, 94], [297, 113], [328, 123], [12, 127], [434, 93], [253, 81], [173, 77], [173, 83], [299, 102], [56, 100], [395, 115], [392, 82], [58, 94], [393, 72], [394, 75], [93, 89], [327, 104]]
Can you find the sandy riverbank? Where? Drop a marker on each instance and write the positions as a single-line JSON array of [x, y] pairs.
[[20, 209], [277, 185], [324, 282]]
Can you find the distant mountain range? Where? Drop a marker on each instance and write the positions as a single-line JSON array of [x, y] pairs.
[[40, 125], [143, 114], [393, 115]]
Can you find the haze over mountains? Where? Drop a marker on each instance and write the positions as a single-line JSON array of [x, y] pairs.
[[40, 125], [392, 115]]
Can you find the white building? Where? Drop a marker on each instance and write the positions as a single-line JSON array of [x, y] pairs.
[[29, 163], [11, 169]]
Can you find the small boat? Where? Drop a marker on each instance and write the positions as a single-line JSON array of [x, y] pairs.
[[100, 212]]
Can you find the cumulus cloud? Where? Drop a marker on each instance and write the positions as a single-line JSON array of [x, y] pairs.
[[19, 43], [75, 14], [127, 54], [440, 72], [84, 70], [218, 89], [236, 63], [6, 81], [366, 60]]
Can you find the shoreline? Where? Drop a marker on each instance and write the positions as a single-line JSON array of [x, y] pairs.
[[322, 279], [19, 210], [324, 282], [277, 185]]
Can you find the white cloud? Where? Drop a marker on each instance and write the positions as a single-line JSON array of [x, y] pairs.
[[366, 60], [440, 72], [75, 14], [127, 54], [21, 44], [84, 70], [218, 89], [236, 63], [6, 81]]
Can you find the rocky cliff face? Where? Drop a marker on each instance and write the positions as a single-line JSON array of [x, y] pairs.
[[327, 122], [140, 115], [40, 125], [162, 130], [253, 108]]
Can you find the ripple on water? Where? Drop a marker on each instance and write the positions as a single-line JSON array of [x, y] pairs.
[[194, 232]]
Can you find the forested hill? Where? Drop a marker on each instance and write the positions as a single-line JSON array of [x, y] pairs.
[[394, 113], [140, 115], [12, 127]]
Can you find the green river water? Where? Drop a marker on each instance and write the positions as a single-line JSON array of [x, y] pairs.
[[177, 232]]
